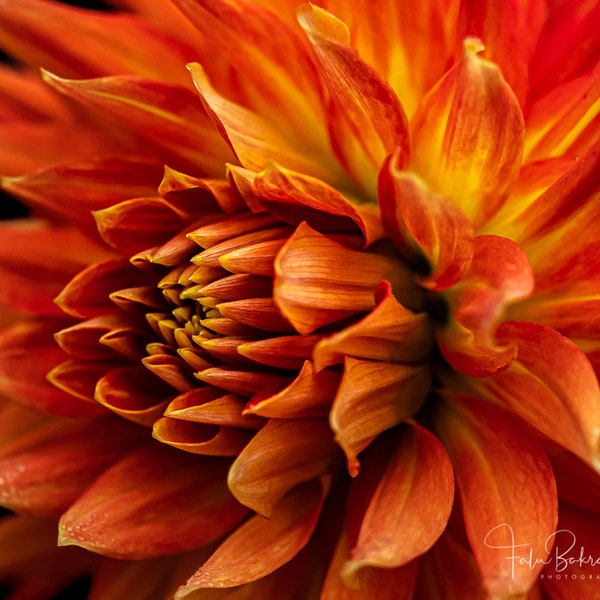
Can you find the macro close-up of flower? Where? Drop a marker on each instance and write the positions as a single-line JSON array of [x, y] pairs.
[[300, 301]]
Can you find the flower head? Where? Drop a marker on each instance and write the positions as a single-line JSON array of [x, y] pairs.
[[318, 313]]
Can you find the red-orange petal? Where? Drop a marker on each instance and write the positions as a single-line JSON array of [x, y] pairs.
[[155, 501], [468, 137], [313, 288], [45, 480], [366, 119], [431, 231], [409, 508], [283, 454], [563, 403], [506, 487], [374, 396], [389, 333], [295, 197], [260, 545], [500, 273], [167, 115]]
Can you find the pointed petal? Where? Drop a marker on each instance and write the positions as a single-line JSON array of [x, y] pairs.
[[285, 352], [244, 383], [45, 480], [197, 438], [564, 404], [167, 115], [431, 231], [92, 186], [155, 501], [296, 197], [366, 118], [312, 289], [506, 487], [414, 496], [261, 313], [309, 395], [389, 333], [283, 454], [385, 584], [372, 397], [500, 273], [255, 140], [260, 546], [53, 35], [509, 31], [468, 137], [27, 352]]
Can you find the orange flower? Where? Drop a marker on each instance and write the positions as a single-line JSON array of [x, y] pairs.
[[345, 270]]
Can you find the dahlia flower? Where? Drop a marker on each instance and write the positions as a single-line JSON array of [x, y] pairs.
[[316, 317]]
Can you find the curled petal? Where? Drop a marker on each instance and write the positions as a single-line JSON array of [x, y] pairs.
[[563, 403], [374, 396], [409, 508], [155, 501], [506, 487], [312, 287], [431, 231], [366, 118], [281, 455], [296, 197], [260, 545], [468, 137], [468, 340]]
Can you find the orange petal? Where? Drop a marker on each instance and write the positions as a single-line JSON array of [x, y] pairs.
[[431, 231], [385, 584], [255, 140], [562, 403], [244, 383], [285, 352], [295, 197], [198, 438], [260, 546], [45, 480], [366, 119], [283, 454], [390, 333], [309, 395], [468, 137], [312, 287], [565, 122], [409, 43], [92, 186], [372, 397], [509, 31], [155, 501], [506, 487], [250, 41], [53, 35], [409, 508], [27, 352], [500, 273], [168, 115]]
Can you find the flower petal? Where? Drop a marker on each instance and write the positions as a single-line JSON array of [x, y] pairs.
[[168, 115], [295, 197], [313, 289], [283, 454], [562, 403], [506, 487], [366, 119], [260, 546], [409, 508], [500, 273], [372, 397], [468, 137], [431, 231], [155, 501]]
